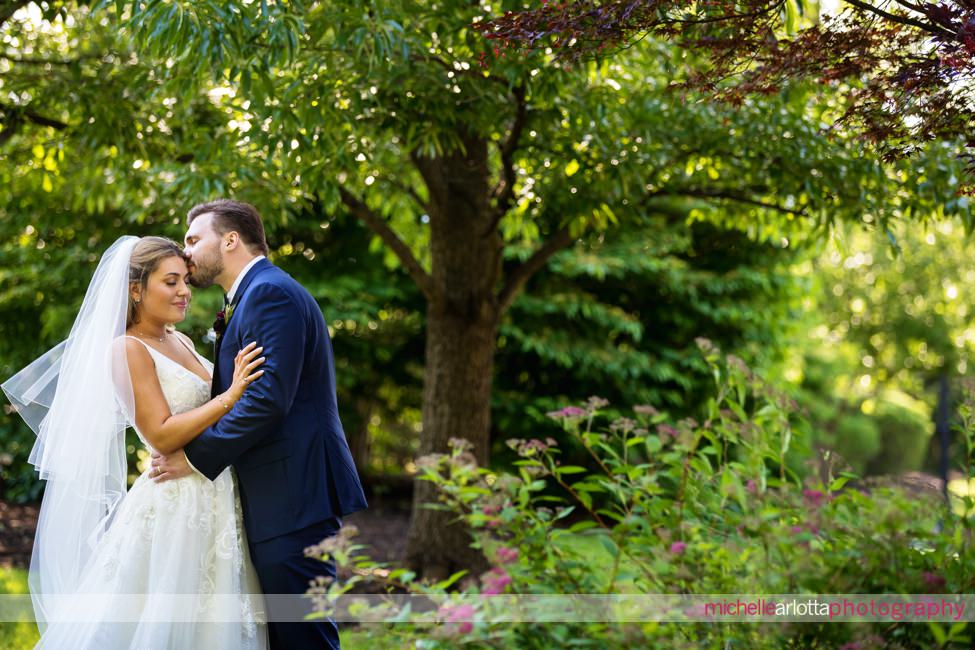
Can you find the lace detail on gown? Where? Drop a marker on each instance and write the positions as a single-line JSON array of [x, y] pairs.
[[183, 536]]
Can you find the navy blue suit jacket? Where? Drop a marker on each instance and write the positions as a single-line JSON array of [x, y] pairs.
[[284, 437]]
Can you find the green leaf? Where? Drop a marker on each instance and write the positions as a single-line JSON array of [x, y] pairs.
[[609, 545], [570, 469], [838, 483], [444, 584], [580, 526], [938, 632]]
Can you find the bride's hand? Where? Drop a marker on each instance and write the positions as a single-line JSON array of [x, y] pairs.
[[244, 366]]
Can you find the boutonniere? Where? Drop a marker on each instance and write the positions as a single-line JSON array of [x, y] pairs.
[[223, 317]]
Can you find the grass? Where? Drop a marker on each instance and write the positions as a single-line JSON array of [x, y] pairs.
[[16, 636], [23, 636]]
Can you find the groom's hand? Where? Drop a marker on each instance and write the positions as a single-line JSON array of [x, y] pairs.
[[168, 467]]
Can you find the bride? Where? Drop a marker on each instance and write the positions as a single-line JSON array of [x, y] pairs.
[[164, 564]]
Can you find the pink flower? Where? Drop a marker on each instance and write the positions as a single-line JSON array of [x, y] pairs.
[[666, 430], [814, 497], [752, 486], [495, 581], [506, 555], [678, 548], [796, 530], [567, 412], [594, 403], [459, 613]]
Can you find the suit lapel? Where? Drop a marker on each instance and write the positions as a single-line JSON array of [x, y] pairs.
[[252, 273]]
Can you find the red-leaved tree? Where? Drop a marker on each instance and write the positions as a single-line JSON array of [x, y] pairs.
[[906, 69]]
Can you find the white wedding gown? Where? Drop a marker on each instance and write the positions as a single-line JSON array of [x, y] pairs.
[[184, 537]]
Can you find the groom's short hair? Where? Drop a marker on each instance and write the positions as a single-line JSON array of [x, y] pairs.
[[236, 216]]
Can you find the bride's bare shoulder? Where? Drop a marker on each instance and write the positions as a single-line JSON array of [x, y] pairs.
[[133, 349]]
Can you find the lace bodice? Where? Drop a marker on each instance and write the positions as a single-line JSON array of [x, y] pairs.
[[183, 389]]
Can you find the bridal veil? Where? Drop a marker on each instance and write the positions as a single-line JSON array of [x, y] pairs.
[[77, 397]]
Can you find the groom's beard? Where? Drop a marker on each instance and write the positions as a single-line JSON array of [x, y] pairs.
[[205, 270]]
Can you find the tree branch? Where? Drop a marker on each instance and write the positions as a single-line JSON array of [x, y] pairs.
[[521, 274], [910, 5], [504, 191], [938, 30], [379, 226], [703, 193], [43, 121], [13, 117], [470, 72]]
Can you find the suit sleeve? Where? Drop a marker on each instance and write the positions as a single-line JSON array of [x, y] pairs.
[[275, 321]]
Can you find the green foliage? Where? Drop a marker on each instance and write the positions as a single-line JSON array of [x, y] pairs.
[[886, 317], [151, 107], [905, 436], [688, 507], [901, 307], [618, 315], [311, 98]]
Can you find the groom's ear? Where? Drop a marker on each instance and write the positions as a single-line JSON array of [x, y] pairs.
[[231, 240]]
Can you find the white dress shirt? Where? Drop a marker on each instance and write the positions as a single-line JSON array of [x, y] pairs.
[[240, 277]]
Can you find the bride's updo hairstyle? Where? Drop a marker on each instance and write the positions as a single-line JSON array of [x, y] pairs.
[[146, 257]]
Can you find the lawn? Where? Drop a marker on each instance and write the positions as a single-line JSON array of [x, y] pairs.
[[15, 636], [23, 636]]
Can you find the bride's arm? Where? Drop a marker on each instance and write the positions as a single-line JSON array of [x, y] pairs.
[[163, 430]]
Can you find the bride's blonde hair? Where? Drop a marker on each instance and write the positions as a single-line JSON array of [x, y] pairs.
[[146, 256]]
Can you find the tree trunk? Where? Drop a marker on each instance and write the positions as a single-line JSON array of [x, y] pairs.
[[456, 403], [359, 436], [462, 321]]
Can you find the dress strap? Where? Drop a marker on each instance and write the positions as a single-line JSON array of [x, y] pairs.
[[135, 338], [204, 363], [148, 347], [179, 337]]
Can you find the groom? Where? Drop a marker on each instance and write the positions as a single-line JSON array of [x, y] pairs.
[[284, 438]]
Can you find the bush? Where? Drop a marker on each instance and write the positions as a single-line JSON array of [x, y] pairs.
[[686, 508], [905, 436]]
